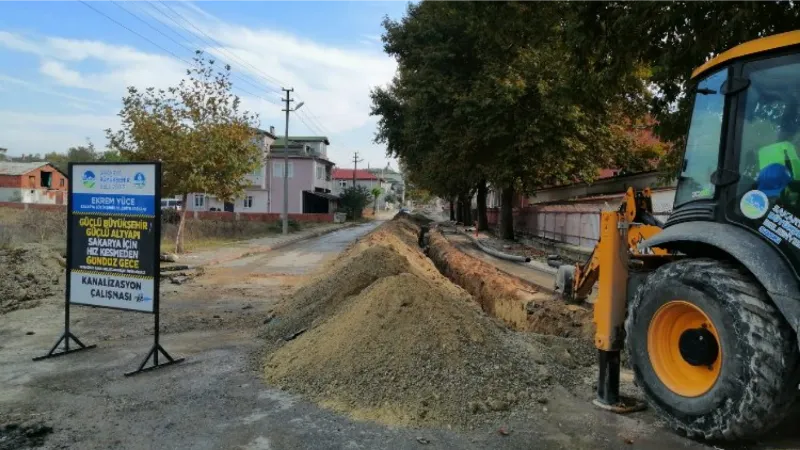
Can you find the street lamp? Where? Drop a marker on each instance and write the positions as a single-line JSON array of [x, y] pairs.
[[286, 164]]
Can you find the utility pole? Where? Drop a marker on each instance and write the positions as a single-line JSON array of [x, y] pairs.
[[288, 100], [356, 160]]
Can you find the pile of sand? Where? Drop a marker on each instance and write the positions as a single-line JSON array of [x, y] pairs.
[[388, 338], [27, 274]]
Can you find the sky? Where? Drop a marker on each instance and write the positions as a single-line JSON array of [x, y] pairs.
[[65, 67]]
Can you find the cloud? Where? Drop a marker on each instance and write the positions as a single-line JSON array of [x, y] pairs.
[[38, 87], [333, 81], [26, 132]]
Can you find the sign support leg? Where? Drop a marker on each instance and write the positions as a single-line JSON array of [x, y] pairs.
[[65, 337], [154, 351]]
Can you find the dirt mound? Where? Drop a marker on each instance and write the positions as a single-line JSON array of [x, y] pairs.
[[382, 335], [27, 274], [518, 304], [348, 276], [406, 352]]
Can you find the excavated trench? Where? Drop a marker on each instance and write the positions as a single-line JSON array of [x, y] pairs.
[[521, 306], [384, 334]]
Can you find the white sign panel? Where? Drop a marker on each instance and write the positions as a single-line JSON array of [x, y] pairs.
[[113, 235]]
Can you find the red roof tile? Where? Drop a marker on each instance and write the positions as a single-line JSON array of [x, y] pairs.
[[347, 174]]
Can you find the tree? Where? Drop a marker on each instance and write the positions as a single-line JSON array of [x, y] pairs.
[[198, 132], [353, 200], [491, 93], [376, 193], [3, 154], [671, 39]]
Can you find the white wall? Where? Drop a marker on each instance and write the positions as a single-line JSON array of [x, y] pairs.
[[24, 195], [260, 198], [11, 194]]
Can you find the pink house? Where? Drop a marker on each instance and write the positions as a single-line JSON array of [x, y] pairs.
[[309, 180], [309, 176]]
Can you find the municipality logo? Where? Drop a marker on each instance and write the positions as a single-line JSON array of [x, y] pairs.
[[754, 204], [88, 179], [139, 180]]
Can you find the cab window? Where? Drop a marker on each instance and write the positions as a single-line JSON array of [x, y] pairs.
[[770, 136], [702, 145]]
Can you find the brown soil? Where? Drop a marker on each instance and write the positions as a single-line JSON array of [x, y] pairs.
[[384, 336], [518, 304], [28, 274]]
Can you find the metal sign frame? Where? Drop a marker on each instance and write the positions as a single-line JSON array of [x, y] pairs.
[[67, 335]]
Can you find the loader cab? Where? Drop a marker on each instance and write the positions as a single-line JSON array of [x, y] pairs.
[[742, 160]]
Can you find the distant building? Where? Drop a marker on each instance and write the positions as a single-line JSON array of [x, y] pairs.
[[395, 181], [309, 179], [343, 178], [32, 182]]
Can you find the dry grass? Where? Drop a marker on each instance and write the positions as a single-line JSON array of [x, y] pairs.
[[200, 234], [19, 227]]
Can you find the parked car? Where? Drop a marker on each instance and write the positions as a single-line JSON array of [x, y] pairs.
[[171, 203]]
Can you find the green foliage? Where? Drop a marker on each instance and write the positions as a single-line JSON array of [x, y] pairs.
[[670, 39], [390, 198], [197, 131], [353, 200], [82, 153], [491, 91], [376, 193]]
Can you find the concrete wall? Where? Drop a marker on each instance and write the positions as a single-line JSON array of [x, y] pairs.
[[576, 222], [199, 215]]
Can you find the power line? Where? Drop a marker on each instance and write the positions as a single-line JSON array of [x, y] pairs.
[[157, 45], [175, 41], [222, 48], [316, 121], [303, 118]]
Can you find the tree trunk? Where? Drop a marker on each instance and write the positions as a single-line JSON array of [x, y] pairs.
[[467, 210], [452, 209], [459, 210], [483, 221], [181, 225], [507, 213]]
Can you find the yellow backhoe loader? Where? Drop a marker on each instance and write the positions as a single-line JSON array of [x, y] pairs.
[[707, 305]]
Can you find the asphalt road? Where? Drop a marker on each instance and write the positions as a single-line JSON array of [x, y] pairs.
[[217, 399]]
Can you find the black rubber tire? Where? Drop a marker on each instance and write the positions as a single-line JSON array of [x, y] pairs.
[[759, 376]]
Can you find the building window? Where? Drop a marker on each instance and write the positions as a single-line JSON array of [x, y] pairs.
[[277, 170], [199, 200], [320, 172], [343, 183], [257, 173], [61, 182], [248, 202], [32, 181]]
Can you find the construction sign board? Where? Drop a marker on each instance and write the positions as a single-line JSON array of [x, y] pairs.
[[113, 235]]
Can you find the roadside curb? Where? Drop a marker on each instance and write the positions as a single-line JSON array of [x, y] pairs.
[[269, 248]]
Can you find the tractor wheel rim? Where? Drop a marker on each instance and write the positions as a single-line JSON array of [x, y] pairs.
[[684, 348]]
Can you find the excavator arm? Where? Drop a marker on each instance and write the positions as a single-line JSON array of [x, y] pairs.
[[620, 233]]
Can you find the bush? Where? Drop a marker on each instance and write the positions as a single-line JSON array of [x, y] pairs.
[[171, 216], [353, 201]]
